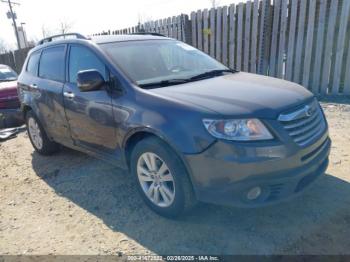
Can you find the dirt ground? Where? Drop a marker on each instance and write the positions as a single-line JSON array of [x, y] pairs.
[[71, 203]]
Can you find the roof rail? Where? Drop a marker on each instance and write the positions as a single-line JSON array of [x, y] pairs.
[[50, 39], [148, 33]]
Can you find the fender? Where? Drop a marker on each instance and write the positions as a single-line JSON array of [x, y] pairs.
[[160, 135], [151, 131], [27, 101]]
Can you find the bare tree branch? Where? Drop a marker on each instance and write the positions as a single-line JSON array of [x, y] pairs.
[[3, 46], [143, 18], [46, 31], [65, 27], [215, 3]]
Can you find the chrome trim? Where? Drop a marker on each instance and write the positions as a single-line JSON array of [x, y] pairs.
[[304, 112], [302, 122], [305, 124], [69, 94], [301, 140], [306, 128]]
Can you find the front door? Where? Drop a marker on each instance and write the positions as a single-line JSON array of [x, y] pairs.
[[89, 114]]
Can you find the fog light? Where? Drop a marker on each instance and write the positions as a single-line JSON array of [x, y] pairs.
[[254, 193]]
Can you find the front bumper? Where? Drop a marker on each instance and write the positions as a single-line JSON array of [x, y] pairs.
[[226, 172], [11, 118]]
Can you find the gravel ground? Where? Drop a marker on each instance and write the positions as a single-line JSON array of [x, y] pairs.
[[73, 204]]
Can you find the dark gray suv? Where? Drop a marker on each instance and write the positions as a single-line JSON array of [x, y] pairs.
[[187, 127]]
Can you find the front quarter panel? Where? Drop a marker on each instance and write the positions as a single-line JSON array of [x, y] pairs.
[[178, 124]]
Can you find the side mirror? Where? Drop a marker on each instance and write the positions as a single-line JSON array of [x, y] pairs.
[[90, 80]]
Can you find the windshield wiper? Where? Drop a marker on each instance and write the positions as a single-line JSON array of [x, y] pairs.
[[208, 74], [212, 73], [164, 83]]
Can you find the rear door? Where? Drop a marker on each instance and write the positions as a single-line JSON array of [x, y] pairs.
[[50, 85], [89, 114], [42, 83]]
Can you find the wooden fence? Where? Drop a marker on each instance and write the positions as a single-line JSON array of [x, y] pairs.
[[15, 59], [304, 41], [175, 27]]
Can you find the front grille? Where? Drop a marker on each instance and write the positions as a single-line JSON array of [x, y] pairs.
[[305, 123]]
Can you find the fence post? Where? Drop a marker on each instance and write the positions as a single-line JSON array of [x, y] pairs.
[[246, 41], [300, 42], [329, 45], [282, 40], [199, 30], [274, 43], [309, 42], [340, 47], [239, 36], [218, 43], [291, 39], [186, 29], [232, 36], [253, 60], [224, 35], [212, 32], [264, 37], [321, 25]]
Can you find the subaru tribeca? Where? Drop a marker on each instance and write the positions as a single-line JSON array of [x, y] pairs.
[[187, 127]]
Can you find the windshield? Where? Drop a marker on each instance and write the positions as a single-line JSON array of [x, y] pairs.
[[7, 74], [155, 61]]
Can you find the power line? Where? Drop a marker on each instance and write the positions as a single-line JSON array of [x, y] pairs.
[[13, 17]]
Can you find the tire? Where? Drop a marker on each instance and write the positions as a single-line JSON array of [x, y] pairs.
[[38, 137], [183, 199]]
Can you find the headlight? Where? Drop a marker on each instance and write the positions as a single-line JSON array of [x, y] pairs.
[[237, 129]]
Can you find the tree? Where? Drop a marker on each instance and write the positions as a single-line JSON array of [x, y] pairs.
[[65, 27], [142, 19], [46, 31], [3, 46], [215, 3]]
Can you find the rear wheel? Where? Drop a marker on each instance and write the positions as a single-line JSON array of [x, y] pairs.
[[37, 135], [161, 178]]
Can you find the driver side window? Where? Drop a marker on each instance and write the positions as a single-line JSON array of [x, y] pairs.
[[81, 58]]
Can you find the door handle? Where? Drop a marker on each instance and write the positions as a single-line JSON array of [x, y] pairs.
[[33, 86], [69, 95]]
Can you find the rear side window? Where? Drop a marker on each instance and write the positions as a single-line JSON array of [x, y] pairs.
[[81, 58], [32, 66], [51, 64]]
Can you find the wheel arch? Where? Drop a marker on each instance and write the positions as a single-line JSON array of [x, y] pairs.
[[25, 109], [138, 134]]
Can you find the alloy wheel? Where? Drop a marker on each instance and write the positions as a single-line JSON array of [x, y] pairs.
[[156, 179], [34, 132]]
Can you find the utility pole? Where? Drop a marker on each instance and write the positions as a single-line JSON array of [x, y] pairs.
[[13, 16], [24, 35]]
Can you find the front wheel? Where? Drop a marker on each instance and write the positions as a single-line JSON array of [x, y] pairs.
[[162, 178]]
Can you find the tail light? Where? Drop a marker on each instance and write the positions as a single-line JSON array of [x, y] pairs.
[[9, 98]]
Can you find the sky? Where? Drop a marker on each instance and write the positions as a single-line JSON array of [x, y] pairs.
[[89, 17]]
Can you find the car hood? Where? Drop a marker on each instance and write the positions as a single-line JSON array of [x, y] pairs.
[[239, 94]]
